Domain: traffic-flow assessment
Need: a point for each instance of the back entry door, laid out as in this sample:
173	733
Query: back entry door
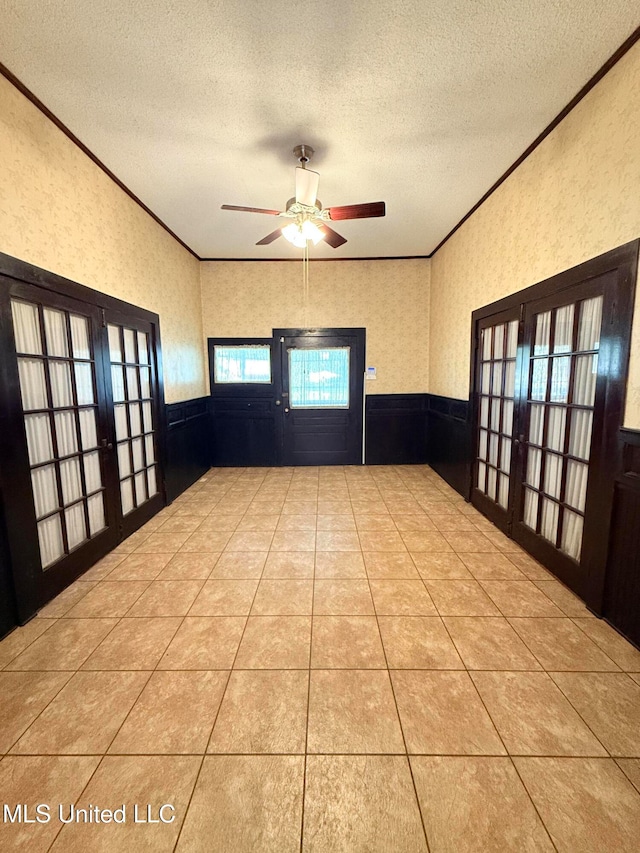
321	395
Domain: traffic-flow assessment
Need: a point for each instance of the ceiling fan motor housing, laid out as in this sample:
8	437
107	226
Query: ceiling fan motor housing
294	207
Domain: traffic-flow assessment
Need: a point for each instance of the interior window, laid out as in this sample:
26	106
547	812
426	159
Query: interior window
242	364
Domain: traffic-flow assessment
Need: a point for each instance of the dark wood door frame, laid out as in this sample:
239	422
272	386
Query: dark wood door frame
357	338
622	265
15	485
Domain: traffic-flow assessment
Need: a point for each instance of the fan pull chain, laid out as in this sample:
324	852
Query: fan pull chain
305	284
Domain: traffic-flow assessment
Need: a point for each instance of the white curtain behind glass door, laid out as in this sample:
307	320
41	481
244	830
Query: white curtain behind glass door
561	422
133	412
497	374
319	378
60	425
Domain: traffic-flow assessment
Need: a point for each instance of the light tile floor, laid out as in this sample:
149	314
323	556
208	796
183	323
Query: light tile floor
347	659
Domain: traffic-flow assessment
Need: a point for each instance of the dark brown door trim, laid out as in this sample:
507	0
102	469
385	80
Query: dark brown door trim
341	426
33	587
619	268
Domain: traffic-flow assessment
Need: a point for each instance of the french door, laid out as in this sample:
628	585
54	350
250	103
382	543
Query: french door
321	395
134	392
549	381
496	384
78	438
562	418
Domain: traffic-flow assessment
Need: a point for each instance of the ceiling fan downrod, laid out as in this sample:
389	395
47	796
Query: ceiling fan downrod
303	153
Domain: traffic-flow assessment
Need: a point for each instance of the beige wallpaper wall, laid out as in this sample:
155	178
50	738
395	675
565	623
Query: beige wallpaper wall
389	298
575	197
59	211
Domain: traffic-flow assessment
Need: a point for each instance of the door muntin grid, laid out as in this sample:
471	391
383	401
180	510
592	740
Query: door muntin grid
56	367
560	406
496	381
132	389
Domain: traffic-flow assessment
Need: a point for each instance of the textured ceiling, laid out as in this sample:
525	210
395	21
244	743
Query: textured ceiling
196	103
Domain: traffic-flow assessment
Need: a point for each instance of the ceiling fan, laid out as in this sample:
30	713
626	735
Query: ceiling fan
305	209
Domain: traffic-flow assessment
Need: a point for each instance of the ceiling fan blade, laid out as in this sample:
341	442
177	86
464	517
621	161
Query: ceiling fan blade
250	209
358	211
270	237
306	186
332	237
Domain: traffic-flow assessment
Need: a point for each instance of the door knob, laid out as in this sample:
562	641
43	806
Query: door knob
278	402
286	411
105	444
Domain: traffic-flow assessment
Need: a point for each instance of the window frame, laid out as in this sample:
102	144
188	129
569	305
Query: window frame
240	388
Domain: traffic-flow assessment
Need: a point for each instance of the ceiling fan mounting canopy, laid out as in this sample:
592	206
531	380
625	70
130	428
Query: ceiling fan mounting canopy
306	209
303	153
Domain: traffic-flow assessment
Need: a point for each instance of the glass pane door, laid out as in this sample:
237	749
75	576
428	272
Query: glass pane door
496	386
563	370
498	348
132	384
321	391
57	374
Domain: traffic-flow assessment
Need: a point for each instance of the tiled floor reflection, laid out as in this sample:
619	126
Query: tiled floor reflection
347	659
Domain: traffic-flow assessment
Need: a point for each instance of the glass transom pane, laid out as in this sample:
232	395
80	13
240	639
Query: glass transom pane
319	378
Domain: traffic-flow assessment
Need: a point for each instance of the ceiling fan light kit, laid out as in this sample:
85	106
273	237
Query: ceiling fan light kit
309	217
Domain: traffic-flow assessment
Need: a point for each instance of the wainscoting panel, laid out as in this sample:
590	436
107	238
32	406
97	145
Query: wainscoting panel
449	441
244	431
622	584
189	444
396	429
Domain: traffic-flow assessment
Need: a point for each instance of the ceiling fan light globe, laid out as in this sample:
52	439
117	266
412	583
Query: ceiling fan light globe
310	231
293	233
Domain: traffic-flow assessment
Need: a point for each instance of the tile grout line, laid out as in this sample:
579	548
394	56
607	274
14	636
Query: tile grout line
306	734
237	479
144	686
522	782
475	687
395	703
204	755
507	755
